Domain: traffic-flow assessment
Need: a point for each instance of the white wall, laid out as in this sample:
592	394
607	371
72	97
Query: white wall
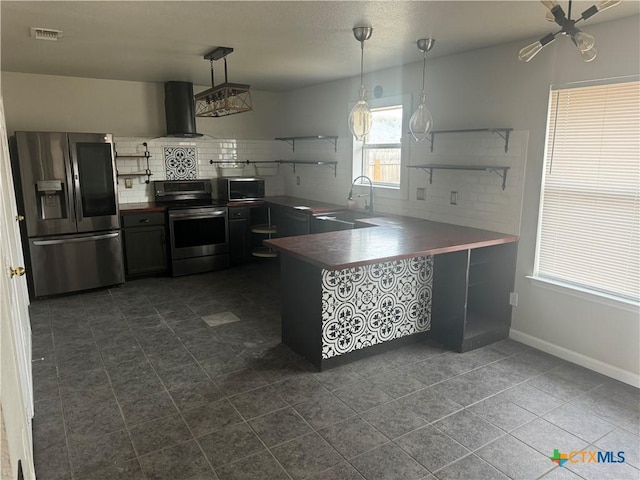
491	88
72	104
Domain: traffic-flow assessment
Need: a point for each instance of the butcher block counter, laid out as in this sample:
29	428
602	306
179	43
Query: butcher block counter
354	293
385	241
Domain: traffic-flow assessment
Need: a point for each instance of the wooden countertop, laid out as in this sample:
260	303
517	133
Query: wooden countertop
395	238
141	207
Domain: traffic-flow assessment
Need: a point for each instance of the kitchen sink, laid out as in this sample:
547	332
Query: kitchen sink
350	215
342	220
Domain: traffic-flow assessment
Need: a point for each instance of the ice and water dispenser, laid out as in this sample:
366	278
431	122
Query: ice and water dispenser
51	196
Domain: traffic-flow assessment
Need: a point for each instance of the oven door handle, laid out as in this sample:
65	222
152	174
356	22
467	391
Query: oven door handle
196	216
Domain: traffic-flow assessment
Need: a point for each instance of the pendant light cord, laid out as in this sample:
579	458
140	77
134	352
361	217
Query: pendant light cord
424	70
362	64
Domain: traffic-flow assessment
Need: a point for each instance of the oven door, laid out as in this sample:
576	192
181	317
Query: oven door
198	232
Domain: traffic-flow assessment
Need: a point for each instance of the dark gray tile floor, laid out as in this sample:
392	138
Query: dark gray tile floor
131	383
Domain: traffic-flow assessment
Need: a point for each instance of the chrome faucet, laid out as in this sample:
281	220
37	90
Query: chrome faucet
350	197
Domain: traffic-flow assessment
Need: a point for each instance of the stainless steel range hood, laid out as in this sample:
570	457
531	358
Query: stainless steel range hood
179	110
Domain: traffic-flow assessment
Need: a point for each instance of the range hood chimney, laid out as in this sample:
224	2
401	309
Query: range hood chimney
179	110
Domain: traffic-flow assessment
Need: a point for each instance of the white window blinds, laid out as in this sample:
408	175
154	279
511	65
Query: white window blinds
590	221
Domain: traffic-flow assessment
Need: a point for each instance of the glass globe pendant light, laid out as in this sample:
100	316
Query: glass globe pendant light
421	120
360	117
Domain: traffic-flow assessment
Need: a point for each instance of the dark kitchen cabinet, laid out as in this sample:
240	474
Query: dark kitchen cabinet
239	234
145	243
471	292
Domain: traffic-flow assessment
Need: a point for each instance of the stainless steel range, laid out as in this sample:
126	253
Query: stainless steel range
198	228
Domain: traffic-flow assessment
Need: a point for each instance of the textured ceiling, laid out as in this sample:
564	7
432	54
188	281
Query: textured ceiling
278	45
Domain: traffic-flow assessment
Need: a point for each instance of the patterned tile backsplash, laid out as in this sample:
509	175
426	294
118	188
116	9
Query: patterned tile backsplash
372	304
180	163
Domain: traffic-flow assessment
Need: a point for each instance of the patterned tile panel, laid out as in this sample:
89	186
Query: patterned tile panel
364	306
180	163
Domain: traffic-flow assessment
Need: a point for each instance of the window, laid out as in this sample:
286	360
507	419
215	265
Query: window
589	226
382	148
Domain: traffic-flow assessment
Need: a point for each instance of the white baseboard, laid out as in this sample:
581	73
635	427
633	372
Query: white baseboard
577	358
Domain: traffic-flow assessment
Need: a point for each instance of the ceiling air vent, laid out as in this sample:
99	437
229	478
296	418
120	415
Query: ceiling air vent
46	34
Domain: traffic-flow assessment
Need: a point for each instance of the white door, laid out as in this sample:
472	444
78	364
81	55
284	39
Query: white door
16	388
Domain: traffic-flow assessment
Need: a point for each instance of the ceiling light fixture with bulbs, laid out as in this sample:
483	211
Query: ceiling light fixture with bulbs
226	98
421	120
582	40
360	117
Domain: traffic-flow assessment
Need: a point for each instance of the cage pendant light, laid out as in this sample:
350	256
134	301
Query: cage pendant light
360	117
223	99
421	120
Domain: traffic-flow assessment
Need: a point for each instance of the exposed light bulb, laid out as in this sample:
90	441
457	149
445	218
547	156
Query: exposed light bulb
549	3
604	4
584	41
589	55
421	120
599	7
360	117
530	51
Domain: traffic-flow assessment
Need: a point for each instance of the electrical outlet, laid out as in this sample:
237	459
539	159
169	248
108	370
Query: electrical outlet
298	180
128	183
453	198
513	299
419	193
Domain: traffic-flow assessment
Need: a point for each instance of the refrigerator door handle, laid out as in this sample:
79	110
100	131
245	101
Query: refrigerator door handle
92	238
77	192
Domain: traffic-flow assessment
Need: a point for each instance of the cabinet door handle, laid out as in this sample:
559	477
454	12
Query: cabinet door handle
144	220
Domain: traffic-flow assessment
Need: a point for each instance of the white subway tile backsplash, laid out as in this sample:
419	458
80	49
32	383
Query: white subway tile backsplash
481	201
231	150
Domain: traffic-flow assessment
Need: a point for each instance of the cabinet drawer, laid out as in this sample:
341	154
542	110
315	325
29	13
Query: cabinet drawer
238	212
142	219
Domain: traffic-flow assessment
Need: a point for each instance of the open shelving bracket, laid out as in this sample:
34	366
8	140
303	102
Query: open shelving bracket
502	175
501	132
498	170
293	163
246	162
292	140
146	155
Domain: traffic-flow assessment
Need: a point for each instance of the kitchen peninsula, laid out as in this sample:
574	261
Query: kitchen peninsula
353	293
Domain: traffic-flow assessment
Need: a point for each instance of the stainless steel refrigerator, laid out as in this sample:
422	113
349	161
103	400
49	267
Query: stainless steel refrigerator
67	192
